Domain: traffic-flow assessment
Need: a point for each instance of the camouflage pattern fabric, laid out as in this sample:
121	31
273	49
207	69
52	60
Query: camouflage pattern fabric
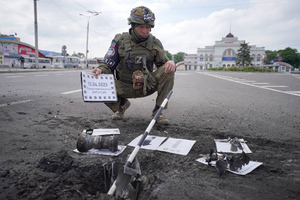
141	15
124	57
165	83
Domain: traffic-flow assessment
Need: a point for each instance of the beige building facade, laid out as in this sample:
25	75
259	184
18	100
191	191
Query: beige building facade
222	54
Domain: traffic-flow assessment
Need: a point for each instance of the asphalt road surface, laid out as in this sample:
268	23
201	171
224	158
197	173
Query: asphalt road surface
262	104
42	111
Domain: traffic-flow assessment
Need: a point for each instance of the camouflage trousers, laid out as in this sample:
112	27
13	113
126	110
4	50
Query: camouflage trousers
164	85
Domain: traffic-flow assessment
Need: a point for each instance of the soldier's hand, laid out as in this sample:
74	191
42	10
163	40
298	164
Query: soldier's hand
170	67
97	71
149	82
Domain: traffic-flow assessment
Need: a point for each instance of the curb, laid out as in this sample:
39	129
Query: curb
10	70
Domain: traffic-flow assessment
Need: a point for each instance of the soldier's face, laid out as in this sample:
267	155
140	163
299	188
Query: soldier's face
143	30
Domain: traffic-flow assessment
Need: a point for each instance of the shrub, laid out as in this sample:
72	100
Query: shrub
243	69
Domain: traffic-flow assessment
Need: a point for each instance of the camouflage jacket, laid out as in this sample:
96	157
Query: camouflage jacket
125	56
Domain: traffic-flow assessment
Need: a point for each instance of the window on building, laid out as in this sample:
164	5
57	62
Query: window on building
206	57
211	57
201	58
229	55
258	57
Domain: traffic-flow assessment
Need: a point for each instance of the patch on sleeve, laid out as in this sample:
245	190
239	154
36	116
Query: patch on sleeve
108	61
111	50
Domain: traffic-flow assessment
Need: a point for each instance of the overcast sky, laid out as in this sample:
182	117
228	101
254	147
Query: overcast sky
181	25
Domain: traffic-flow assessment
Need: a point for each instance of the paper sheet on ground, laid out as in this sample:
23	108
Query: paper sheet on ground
105	152
151	142
246	169
105	131
224	146
177	146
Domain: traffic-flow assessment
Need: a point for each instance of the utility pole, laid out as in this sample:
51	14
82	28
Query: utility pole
36	35
92	14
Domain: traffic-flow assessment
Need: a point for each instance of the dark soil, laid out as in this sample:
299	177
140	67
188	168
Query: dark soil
42	165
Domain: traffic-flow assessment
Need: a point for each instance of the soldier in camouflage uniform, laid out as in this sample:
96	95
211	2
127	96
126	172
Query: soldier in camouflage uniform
131	57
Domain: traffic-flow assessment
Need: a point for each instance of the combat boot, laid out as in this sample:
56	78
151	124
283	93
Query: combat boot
161	119
120	113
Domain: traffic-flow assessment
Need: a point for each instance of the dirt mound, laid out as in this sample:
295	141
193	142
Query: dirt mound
56	162
61	174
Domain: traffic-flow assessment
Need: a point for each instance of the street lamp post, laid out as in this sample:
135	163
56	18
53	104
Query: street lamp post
36	35
92	14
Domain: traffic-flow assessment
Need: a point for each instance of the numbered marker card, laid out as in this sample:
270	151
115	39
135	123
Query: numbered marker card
98	89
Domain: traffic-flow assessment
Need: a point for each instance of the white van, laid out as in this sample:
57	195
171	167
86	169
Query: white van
65	62
92	63
29	63
58	62
71	62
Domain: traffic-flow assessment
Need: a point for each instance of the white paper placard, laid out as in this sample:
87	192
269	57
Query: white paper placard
246	169
151	142
98	89
104	152
224	146
177	146
105	131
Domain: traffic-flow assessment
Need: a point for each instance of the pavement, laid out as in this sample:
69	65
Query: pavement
5	69
295	72
20	70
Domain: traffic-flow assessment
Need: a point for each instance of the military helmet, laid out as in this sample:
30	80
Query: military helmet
141	15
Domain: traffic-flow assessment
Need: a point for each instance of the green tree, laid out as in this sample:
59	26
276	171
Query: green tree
179	57
270	55
290	56
169	55
243	57
80	55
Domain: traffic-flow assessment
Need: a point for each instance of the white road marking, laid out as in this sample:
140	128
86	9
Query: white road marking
239	79
296	76
246	81
268	86
70	92
253	85
293	92
261	83
41	75
15	103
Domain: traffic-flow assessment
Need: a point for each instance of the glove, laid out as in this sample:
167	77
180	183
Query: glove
149	80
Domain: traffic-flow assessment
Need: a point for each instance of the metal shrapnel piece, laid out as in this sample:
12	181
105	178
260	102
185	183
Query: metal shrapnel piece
235	144
86	142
